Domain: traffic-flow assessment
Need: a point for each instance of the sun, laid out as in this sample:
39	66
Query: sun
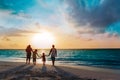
43	40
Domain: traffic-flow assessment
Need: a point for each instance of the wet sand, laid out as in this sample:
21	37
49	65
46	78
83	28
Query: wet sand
22	71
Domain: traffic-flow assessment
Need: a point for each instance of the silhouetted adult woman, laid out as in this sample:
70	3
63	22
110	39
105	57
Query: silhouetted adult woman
28	54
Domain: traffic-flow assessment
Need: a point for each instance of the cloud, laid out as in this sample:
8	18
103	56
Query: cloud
7	20
16	32
1	27
16	6
8	14
14	45
99	14
5	38
23	15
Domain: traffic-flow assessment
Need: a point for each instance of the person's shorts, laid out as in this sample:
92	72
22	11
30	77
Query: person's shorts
53	58
34	59
28	56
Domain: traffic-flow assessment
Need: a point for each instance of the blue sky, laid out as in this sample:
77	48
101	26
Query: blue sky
96	13
71	17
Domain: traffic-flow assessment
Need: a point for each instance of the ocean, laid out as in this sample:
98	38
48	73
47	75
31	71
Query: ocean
102	58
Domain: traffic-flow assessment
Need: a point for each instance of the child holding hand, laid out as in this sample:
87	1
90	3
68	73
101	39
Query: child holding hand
43	58
34	56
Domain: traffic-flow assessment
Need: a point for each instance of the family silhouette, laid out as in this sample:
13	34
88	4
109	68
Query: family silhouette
34	54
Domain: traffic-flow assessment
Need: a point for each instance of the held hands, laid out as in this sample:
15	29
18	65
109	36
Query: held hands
47	55
38	56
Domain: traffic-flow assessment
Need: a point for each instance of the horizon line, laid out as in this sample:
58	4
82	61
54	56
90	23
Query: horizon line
58	48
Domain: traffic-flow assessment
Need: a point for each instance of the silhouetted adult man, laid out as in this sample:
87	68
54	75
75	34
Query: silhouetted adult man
28	54
53	53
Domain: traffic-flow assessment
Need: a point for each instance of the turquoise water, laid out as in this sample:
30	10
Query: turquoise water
105	58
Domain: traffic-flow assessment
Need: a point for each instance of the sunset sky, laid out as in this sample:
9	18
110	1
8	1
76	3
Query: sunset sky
65	23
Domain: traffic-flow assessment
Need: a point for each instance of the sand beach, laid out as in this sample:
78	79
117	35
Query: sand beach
22	71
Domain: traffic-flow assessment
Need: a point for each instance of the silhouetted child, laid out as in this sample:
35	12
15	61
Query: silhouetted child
43	58
34	56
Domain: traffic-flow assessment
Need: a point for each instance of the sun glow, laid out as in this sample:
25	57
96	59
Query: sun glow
43	40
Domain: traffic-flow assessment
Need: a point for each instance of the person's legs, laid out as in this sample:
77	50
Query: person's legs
34	61
29	57
29	60
26	60
53	60
44	62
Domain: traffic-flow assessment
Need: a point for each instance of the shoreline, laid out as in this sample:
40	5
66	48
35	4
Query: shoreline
82	72
59	64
